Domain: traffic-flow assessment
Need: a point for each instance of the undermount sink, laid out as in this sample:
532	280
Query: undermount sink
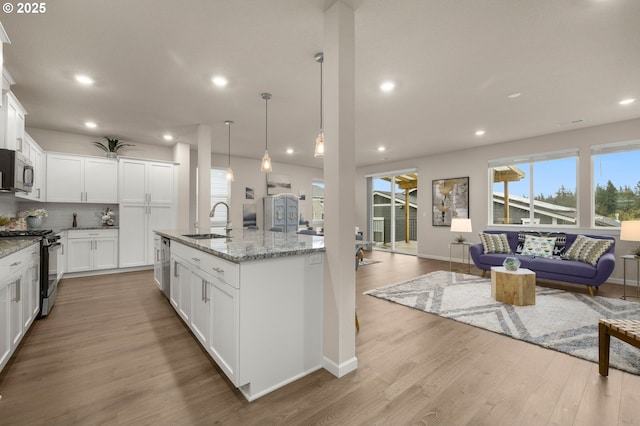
204	236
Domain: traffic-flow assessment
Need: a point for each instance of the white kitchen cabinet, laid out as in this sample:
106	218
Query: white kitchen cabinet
224	332
200	283
79	179
157	261
61	267
19	298
34	153
13	120
180	294
90	250
147	201
148	182
137	222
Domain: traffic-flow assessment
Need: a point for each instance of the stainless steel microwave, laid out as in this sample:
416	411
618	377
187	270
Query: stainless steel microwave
16	172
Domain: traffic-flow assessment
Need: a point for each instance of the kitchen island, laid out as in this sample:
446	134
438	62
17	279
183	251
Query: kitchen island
253	300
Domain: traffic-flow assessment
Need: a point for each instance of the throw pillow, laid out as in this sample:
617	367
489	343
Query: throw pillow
522	236
495	243
587	250
538	246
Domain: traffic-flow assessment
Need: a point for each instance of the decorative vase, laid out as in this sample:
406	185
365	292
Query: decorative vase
511	263
34	222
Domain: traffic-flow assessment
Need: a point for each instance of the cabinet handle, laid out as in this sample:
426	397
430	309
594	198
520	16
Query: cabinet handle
38	197
195	259
62	249
218	270
15	263
175	269
202	285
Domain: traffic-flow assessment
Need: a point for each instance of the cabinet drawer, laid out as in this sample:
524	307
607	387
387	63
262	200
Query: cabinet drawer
92	233
224	270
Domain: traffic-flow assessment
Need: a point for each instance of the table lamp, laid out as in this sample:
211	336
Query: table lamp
630	231
461	225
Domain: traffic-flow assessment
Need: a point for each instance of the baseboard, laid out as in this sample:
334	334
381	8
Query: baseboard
342	369
106	271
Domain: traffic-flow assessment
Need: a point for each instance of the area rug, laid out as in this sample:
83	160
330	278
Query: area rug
365	262
560	320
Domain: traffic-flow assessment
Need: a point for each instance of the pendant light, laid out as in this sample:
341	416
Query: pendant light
266	161
319	151
229	171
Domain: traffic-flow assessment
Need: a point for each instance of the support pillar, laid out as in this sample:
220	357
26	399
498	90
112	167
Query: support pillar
339	180
204	177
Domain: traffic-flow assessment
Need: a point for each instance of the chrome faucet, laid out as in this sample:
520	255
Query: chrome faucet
213	212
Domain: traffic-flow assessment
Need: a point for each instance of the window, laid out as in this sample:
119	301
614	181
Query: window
317	201
616	183
220	191
536	190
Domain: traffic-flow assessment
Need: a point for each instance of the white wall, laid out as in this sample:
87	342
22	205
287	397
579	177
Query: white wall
433	241
247	174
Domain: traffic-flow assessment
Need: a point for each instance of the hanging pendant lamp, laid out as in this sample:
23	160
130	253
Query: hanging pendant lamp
319	150
266	161
229	171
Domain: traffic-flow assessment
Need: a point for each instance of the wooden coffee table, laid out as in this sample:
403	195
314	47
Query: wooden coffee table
513	287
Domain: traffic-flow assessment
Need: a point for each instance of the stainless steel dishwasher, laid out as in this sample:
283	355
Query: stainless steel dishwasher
166	266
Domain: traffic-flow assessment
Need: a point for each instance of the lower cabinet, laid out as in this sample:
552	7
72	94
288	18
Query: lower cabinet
90	250
19	298
260	320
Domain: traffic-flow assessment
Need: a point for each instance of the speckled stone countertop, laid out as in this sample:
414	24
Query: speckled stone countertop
246	244
11	245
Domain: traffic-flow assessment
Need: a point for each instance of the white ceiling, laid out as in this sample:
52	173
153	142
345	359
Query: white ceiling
454	63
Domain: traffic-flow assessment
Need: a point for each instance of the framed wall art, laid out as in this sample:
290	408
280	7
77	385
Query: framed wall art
450	198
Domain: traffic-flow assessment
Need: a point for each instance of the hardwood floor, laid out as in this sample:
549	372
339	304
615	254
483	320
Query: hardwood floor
113	352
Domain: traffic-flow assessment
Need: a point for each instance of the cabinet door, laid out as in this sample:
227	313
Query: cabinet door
157	261
159	217
184	299
37	193
62	255
64	179
132	181
160	185
224	320
177	270
100	180
10	129
31	288
133	235
5	321
79	254
200	289
16	325
105	253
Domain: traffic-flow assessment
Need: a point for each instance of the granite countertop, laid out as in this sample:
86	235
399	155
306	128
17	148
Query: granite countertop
11	245
247	244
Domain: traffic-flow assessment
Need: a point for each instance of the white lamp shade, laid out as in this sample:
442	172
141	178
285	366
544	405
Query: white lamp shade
461	225
630	230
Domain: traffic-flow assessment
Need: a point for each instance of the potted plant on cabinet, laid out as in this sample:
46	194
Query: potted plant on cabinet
112	147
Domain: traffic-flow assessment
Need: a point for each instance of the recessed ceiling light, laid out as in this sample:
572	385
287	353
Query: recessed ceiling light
387	86
627	101
90	124
480	132
289	150
167	137
84	79
513	95
381	149
219	81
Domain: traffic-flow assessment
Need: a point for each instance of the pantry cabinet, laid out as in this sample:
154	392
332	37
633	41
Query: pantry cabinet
90	250
80	179
147	193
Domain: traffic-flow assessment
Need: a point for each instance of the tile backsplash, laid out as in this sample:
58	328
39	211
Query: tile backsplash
60	215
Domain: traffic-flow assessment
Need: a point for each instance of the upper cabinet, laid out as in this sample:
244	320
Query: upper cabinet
78	179
34	153
147	182
13	116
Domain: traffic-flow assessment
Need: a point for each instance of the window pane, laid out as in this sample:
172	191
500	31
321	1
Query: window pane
616	188
219	192
317	201
510	193
554	183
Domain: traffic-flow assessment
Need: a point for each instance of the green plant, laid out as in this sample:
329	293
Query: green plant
112	145
4	220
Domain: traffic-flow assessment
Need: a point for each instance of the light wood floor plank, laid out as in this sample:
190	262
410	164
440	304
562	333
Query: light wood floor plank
114	352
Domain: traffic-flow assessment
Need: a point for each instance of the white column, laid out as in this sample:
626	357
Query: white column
204	177
339	180
181	155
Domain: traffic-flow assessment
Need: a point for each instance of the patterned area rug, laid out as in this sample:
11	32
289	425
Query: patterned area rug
560	320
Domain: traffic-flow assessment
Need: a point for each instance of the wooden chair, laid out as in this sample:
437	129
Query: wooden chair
625	330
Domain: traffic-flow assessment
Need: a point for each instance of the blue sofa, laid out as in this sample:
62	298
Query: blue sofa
556	269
